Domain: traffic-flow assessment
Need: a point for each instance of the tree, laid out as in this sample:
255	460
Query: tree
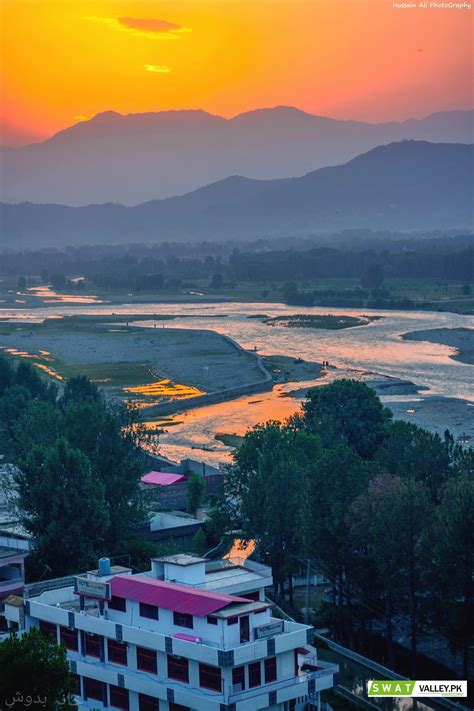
33	668
195	488
28	377
216	523
200	542
40	422
79	389
414	510
267	493
63	507
58	281
347	412
7	375
110	438
387	527
410	451
13	403
373	525
217	281
336	478
453	560
373	277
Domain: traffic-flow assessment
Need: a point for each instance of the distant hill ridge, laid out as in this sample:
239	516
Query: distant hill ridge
410	185
137	157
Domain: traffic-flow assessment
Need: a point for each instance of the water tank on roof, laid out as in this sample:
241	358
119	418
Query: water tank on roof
104	566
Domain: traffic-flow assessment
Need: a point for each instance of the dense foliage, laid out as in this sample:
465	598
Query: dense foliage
384	509
363	255
78	468
33	671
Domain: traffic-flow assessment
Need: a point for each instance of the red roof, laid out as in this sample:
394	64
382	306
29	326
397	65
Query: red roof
162	478
171	596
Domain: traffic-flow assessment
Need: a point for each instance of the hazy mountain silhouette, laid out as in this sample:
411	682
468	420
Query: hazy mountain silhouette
401	187
138	157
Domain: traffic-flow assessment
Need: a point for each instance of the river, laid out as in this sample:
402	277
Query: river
377	347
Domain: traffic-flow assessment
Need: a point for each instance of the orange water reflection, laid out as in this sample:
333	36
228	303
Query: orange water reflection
53	297
197	428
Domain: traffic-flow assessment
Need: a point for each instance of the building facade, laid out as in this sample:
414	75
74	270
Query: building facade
187	635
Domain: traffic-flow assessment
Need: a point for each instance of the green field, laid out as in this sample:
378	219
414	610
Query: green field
438	294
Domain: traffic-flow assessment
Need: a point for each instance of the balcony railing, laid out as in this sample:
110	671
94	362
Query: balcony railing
283	684
142	682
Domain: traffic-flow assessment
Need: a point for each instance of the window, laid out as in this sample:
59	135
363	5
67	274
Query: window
149	611
270	665
69	638
238	677
178	668
146	660
182	619
92	644
212	620
117	603
148	703
117	652
93	689
255	675
49	630
178	707
232	621
210	677
119	698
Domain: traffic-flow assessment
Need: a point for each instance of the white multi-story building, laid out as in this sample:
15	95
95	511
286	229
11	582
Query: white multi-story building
187	635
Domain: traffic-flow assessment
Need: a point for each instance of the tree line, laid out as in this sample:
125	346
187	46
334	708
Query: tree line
323	262
78	465
382	507
144	267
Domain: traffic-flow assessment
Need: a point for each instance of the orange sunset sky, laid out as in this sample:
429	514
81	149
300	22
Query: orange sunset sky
66	60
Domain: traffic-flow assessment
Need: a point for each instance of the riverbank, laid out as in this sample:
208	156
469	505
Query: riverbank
462	339
411	403
145	366
331	293
363	352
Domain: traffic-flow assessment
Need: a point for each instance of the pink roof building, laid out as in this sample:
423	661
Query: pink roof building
162	478
171	596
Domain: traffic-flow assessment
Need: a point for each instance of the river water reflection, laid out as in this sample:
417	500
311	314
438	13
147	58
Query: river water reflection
377	347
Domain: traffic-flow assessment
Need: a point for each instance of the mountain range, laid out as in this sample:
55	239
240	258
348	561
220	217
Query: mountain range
139	157
410	185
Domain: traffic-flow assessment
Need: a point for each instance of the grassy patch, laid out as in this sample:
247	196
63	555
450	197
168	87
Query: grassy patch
110	374
230	440
287	369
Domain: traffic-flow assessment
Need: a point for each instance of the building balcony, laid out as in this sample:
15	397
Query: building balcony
305	684
64	603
